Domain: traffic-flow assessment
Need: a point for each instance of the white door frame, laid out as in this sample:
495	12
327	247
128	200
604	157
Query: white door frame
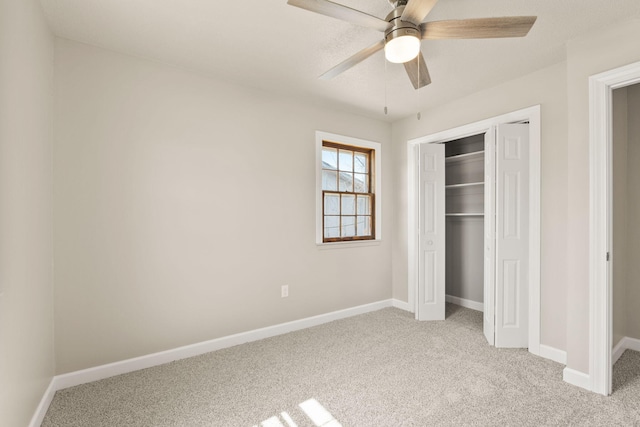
601	88
530	114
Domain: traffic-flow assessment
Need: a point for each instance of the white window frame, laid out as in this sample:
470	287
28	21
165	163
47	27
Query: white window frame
377	187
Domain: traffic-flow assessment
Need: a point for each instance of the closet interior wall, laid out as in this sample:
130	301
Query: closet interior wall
464	185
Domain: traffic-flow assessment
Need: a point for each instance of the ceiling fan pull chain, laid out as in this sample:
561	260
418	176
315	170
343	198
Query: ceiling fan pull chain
418	90
385	83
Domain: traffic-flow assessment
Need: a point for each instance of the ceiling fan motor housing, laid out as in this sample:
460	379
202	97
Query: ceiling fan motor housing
399	28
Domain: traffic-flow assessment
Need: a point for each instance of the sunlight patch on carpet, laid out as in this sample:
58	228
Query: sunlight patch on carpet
318	414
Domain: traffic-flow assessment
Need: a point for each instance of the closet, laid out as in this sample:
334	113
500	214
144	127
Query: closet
473	230
464	213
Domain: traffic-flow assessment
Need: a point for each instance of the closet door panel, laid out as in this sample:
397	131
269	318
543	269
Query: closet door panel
489	236
431	288
512	195
512	224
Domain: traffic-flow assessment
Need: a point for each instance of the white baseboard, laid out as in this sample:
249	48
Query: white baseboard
618	350
473	305
582	380
160	358
552	353
625	343
577	378
633	344
84	376
42	408
401	305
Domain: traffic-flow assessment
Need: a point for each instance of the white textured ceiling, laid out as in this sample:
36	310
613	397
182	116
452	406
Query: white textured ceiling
270	45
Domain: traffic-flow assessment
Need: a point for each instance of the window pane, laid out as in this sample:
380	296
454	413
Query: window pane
332	204
346	161
331	226
360	163
347	198
329	158
348	226
348	204
346	181
360	184
329	180
364	226
364	205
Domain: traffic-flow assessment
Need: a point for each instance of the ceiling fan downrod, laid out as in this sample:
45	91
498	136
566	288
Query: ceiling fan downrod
398	3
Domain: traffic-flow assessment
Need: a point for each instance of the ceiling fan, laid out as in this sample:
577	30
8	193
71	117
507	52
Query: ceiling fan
404	30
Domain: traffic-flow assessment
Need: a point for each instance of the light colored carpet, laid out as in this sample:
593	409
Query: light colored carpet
378	369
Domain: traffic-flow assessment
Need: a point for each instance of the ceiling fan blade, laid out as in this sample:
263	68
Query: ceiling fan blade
482	28
416	10
335	10
355	59
418	72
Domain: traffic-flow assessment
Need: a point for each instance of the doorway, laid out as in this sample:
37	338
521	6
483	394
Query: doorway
601	224
530	115
625	205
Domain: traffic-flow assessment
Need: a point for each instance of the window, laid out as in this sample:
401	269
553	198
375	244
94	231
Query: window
348	180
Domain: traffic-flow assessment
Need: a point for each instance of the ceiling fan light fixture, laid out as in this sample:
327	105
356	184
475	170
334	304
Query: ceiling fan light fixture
402	49
401	40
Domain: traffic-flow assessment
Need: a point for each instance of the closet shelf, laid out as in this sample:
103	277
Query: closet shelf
464	185
465	214
476	155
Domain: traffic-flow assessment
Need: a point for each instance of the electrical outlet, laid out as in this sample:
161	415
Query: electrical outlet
284	291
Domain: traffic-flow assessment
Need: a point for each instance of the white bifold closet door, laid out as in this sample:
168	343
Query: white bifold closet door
506	241
432	243
512	236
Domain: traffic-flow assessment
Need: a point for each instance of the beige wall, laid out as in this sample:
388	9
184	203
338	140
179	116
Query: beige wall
183	203
620	251
546	87
26	282
633	213
600	51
